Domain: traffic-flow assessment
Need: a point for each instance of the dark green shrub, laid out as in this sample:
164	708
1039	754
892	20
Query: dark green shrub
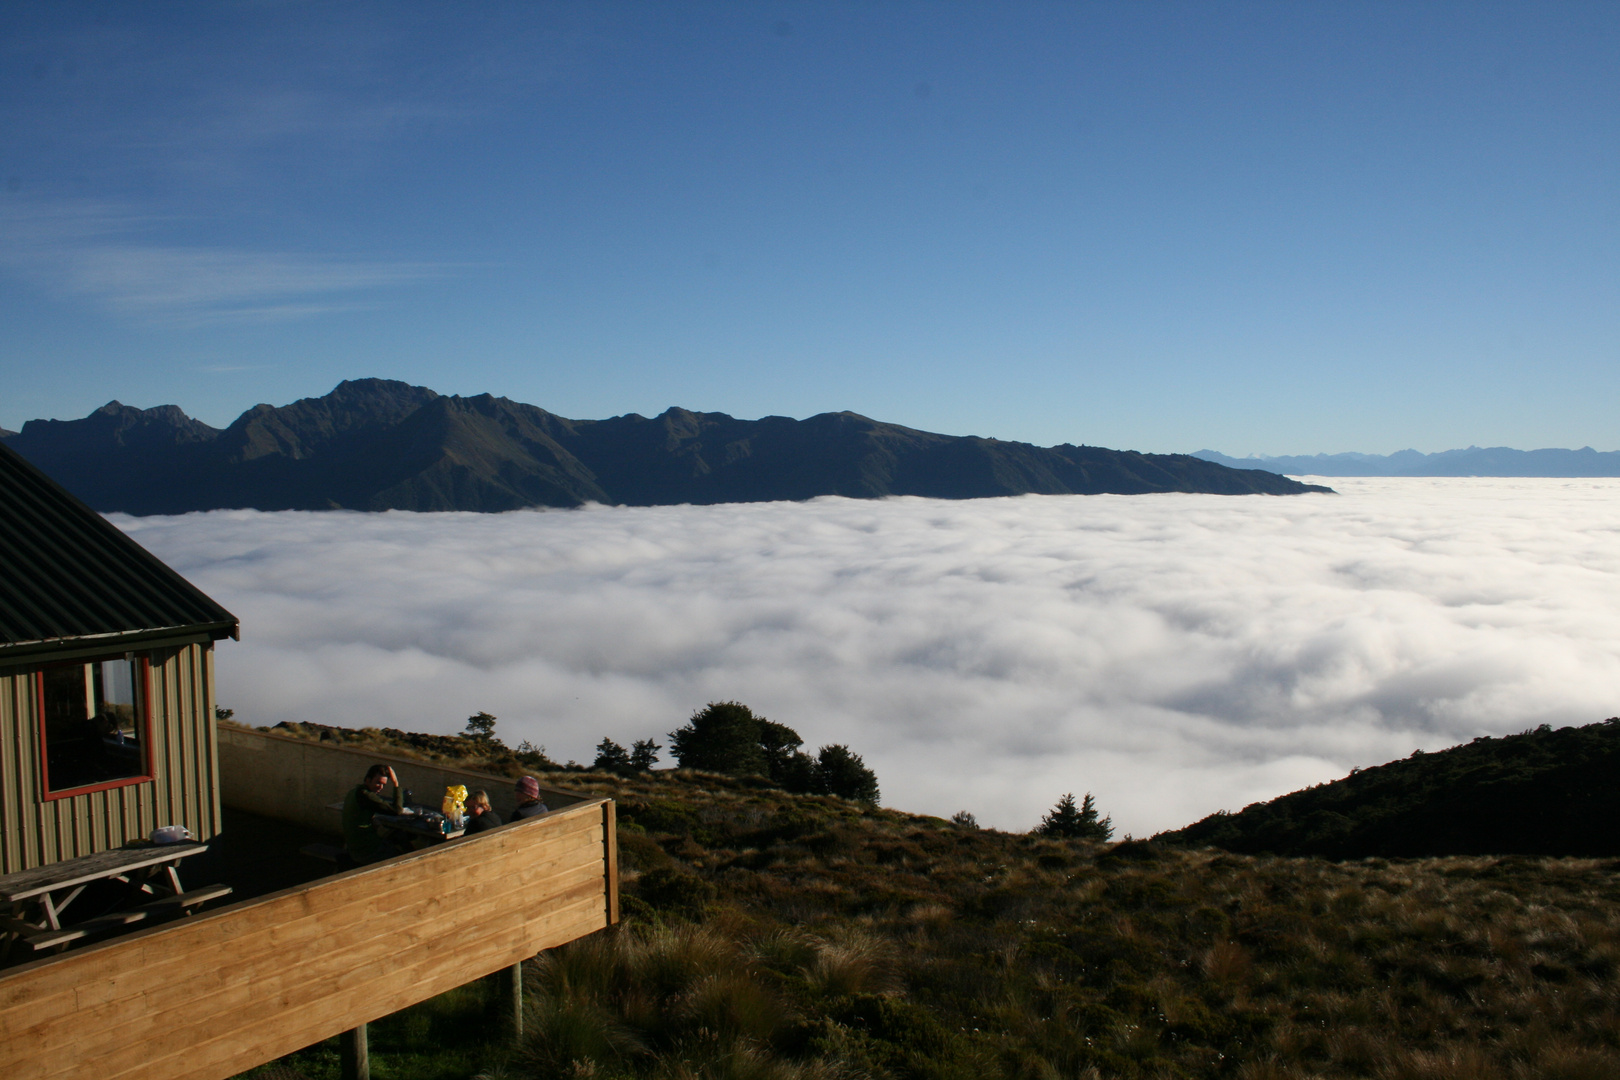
839	771
723	737
797	774
780	744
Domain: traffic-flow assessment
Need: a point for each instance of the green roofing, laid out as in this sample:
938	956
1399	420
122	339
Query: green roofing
69	577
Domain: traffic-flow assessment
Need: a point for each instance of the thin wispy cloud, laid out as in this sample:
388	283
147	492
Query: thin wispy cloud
139	88
1173	654
104	252
228	369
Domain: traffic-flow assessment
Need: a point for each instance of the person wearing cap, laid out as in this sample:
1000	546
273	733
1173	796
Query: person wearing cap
362	802
481	817
529	803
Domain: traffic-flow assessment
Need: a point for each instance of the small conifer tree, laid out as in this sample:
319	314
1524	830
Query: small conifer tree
611	757
644	754
481	727
1066	821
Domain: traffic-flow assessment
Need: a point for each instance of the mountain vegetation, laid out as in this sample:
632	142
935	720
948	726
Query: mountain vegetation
376	444
726	737
782	936
1541	792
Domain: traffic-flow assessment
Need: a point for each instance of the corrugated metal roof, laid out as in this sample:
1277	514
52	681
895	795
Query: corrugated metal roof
67	574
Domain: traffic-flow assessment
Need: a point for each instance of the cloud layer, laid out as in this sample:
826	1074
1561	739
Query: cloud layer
1173	654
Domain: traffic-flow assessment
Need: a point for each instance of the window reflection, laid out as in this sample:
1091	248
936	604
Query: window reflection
93	723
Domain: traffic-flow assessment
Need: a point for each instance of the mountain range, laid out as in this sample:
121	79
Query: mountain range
1474	461
378	444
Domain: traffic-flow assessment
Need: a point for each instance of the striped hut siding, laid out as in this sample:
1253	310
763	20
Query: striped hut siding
18	830
184	759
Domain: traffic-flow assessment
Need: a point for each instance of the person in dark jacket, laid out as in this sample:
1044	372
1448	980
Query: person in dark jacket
362	802
481	817
529	803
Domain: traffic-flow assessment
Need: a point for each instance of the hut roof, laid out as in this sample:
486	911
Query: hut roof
68	577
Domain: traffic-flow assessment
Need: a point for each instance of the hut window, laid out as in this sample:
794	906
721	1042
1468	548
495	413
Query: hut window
93	724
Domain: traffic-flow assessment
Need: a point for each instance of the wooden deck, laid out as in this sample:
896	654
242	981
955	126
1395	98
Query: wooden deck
212	995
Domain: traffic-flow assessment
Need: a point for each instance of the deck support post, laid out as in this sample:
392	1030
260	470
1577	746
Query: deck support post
511	983
355	1053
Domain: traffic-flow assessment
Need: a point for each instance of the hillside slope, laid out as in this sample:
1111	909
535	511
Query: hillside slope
1543	792
375	444
770	935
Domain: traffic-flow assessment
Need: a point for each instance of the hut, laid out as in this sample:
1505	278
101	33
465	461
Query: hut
107	727
107	731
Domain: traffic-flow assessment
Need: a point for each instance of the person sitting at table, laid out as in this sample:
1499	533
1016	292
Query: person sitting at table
360	836
481	817
529	803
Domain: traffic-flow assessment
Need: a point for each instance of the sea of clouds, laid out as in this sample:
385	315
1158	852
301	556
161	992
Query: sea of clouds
1173	654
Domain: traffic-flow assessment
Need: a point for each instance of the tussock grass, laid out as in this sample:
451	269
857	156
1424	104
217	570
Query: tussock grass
912	947
777	936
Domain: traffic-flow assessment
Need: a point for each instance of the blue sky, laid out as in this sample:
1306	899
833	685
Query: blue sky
1274	228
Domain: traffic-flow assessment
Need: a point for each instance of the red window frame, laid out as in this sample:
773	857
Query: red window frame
143	717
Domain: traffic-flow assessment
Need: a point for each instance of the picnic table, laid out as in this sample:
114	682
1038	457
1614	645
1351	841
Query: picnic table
417	827
32	901
420	825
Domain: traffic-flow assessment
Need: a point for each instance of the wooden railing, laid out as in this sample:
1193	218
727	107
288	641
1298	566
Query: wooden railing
210	996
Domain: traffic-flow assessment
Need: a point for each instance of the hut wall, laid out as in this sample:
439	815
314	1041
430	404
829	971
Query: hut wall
184	789
280	776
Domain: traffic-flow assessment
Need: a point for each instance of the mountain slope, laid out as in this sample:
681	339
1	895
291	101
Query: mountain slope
375	444
1542	792
113	454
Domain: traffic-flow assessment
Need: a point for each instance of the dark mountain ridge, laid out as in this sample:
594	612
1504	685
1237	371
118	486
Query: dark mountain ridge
1541	792
377	444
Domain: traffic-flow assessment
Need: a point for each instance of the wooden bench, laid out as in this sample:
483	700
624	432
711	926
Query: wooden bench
332	853
183	902
47	890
